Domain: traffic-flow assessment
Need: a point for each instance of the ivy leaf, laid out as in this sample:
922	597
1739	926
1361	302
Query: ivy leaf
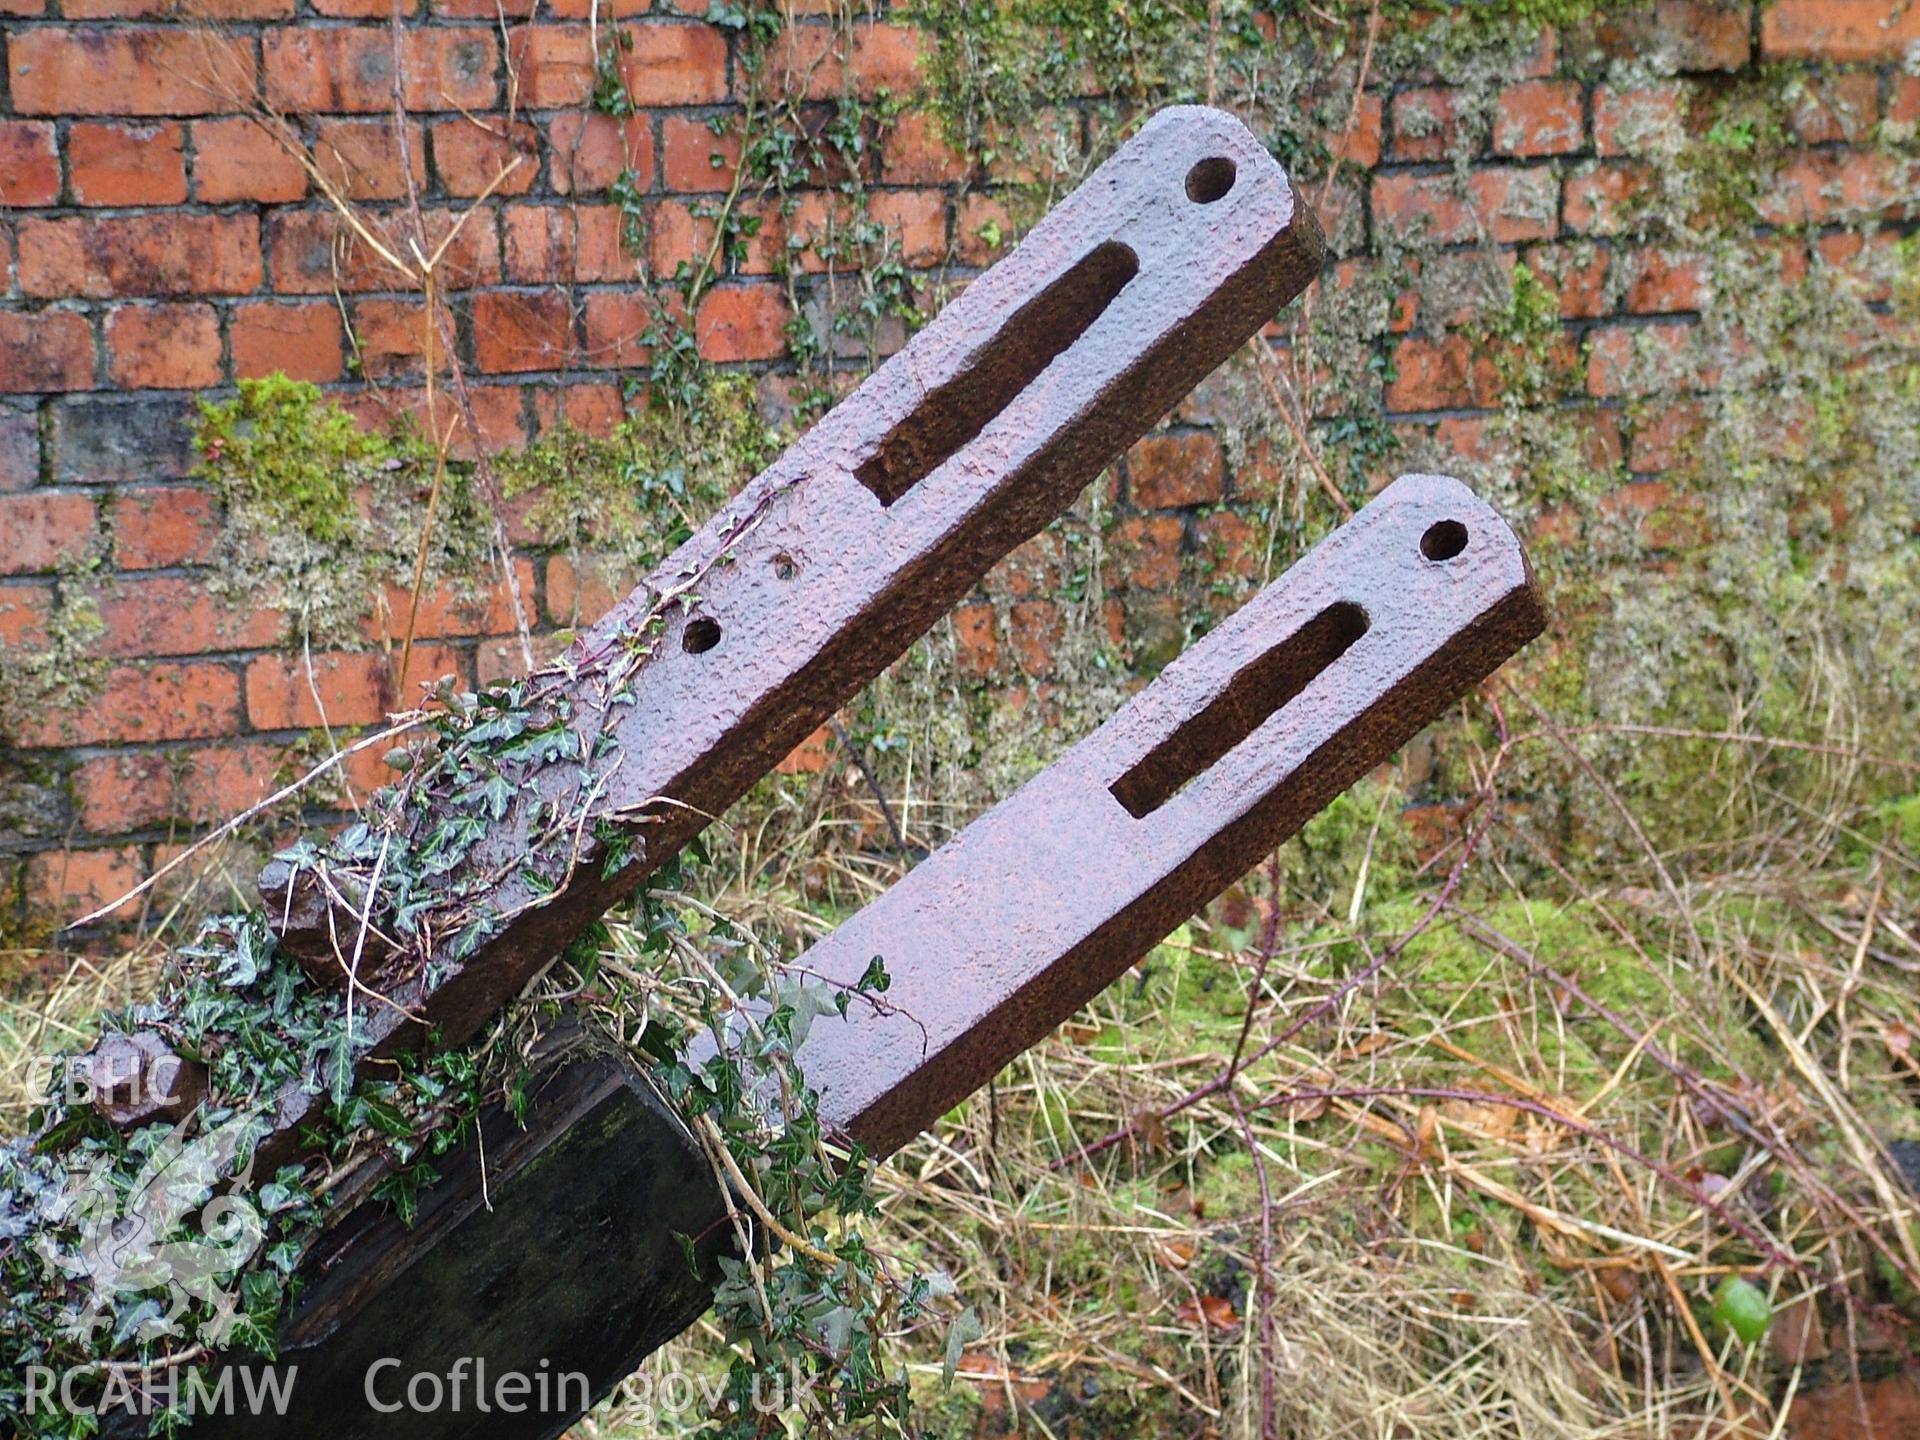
963	1333
1742	1307
874	979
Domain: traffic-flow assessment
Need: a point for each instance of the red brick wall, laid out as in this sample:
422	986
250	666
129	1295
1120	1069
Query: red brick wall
156	243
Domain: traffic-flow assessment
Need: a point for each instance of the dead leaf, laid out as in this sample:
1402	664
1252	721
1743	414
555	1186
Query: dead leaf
1208	1312
1177	1253
1151	1127
1620	1283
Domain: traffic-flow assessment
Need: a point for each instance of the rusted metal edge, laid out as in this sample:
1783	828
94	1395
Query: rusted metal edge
994	940
830	563
1049	897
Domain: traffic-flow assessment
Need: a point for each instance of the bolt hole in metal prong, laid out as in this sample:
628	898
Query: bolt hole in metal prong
1210	180
700	636
1444	540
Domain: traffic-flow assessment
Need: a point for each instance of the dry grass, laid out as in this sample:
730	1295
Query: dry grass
1389	1143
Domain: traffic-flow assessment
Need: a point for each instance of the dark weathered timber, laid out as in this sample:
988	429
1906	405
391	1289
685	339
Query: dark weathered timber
560	1260
1045	900
990	943
829	564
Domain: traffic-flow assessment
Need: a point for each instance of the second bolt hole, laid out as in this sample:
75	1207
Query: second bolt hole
1444	540
1210	180
701	635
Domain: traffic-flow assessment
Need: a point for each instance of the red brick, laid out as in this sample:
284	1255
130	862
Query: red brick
741	322
158	254
121	164
1143	551
61	70
167	615
389	337
354	687
608	9
615	322
1233	545
238	160
1597	202
163	347
918	221
301	340
23	9
915	152
1838	29
1539	117
202	786
579	596
1361	134
976	640
810	756
25	611
67	884
473	157
1035	628
362	158
593	408
499	410
675	236
882	56
163	701
515	331
1165	471
572	242
1837	107
694	159
1445	374
450	610
590	152
19	448
317	71
672	62
1427	126
1816	186
1679	34
1664	282
364	9
1662	519
983	231
157	526
41	527
47	350
1464	440
491	10
1507	205
1903	100
1662	438
29	164
1640	360
1636	120
1577	274
314	253
554	64
196	11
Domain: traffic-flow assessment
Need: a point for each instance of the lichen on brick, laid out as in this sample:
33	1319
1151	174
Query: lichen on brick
320	511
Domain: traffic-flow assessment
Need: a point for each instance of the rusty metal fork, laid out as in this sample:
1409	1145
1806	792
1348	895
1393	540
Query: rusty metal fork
1044	901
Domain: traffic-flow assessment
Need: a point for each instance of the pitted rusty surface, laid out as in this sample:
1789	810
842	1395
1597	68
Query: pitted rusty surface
993	941
134	1080
832	562
1037	906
